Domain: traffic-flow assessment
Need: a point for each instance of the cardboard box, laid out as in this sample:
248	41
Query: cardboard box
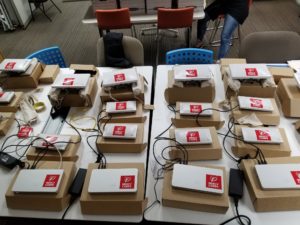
6	122
289	97
133	117
23	81
182	121
114	145
123	94
73	98
13	106
70	154
114	204
297	125
281	72
49	74
188	93
1	57
193	200
269	150
83	68
270	200
226	61
267	118
43	201
198	152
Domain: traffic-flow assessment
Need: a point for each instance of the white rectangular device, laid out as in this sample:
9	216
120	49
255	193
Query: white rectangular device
113	181
59	141
193	136
253	103
196	178
120	131
249	71
278	176
195	108
297	78
192	72
71	81
125	76
15	65
38	181
6	97
121	107
262	135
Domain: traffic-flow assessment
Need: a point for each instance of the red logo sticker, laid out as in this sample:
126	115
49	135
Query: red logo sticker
296	176
119	77
214	181
10	65
1	94
127	182
69	81
121	105
119	130
256	103
49	139
262	135
251	72
193	136
195	108
24	131
191	73
51	180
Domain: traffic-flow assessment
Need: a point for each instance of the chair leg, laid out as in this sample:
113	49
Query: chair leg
157	47
216	27
100	32
133	31
31	11
44	11
56	6
189	31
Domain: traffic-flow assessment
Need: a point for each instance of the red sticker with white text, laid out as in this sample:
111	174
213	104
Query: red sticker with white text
24	131
262	135
251	72
119	130
191	73
49	140
69	81
127	182
214	181
193	136
195	108
296	176
256	103
51	180
10	65
119	77
1	94
121	105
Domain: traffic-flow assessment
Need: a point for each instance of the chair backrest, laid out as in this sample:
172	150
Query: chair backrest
189	56
113	18
270	47
174	18
133	50
49	56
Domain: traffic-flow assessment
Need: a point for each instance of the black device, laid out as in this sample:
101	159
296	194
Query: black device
236	178
9	161
77	184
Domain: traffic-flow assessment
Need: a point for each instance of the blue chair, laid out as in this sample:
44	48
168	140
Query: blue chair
49	56
189	56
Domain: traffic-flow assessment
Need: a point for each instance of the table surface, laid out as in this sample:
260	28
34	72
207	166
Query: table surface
161	120
86	155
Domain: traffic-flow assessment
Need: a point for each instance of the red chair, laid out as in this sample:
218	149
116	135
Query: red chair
114	19
173	19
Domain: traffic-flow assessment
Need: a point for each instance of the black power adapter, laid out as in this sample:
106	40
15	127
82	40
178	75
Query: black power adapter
77	184
236	178
9	161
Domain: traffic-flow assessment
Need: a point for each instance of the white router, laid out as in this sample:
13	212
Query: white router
121	107
15	65
195	108
71	81
114	78
59	141
249	71
120	131
253	103
6	97
193	136
192	72
266	135
113	181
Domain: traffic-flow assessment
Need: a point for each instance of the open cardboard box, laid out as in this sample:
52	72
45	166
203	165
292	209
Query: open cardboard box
198	152
6	122
49	74
85	68
132	117
23	81
114	203
115	145
13	106
267	118
43	201
281	72
193	200
226	61
269	150
289	97
123	94
188	93
182	121
270	200
69	154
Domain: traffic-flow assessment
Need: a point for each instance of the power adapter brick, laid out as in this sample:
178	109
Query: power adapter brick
77	184
236	178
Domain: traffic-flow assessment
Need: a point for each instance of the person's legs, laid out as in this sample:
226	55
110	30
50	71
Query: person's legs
201	29
230	24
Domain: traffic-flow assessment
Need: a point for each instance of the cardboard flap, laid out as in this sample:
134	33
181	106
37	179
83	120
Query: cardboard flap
297	125
166	93
49	74
149	107
81	68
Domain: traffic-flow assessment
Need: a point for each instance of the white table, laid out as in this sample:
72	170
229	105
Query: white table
161	120
86	156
